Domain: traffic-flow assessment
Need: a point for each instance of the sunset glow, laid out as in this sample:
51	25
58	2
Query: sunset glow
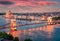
29	20
20	6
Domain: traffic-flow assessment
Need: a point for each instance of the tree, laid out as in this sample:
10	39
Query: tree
28	39
6	36
56	18
10	37
2	34
16	39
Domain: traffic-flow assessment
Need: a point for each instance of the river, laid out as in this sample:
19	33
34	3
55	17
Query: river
36	32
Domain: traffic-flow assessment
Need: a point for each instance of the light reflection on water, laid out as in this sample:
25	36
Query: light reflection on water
36	34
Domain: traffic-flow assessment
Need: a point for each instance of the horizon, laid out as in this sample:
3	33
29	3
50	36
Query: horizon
32	12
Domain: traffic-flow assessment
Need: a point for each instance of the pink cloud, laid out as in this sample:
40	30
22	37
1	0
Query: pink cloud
46	3
33	2
22	3
41	3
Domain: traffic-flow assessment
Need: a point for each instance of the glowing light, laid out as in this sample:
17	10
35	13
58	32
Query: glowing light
9	14
49	20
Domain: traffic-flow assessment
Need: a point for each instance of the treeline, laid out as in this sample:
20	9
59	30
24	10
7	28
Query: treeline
2	13
8	37
56	18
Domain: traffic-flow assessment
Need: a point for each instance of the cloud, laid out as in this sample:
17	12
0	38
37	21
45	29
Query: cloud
6	2
28	2
24	0
28	5
23	4
25	7
39	3
47	3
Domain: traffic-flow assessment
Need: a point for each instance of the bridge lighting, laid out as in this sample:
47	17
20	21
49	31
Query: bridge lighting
49	20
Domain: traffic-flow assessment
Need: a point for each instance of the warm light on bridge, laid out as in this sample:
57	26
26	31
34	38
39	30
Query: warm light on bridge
49	20
9	15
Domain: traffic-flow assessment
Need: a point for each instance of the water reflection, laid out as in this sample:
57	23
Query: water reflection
45	33
36	34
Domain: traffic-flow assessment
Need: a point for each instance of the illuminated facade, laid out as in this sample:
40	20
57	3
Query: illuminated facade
12	25
12	20
49	20
44	17
9	15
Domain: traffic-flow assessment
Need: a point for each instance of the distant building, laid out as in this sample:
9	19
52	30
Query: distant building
44	17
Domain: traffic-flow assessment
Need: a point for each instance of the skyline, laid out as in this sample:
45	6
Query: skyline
19	6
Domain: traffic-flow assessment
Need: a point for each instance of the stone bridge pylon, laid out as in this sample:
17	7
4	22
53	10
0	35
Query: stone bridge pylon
12	19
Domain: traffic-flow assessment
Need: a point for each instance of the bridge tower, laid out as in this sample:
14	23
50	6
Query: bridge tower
13	25
9	15
12	20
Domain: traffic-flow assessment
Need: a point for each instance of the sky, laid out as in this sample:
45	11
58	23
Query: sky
30	6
